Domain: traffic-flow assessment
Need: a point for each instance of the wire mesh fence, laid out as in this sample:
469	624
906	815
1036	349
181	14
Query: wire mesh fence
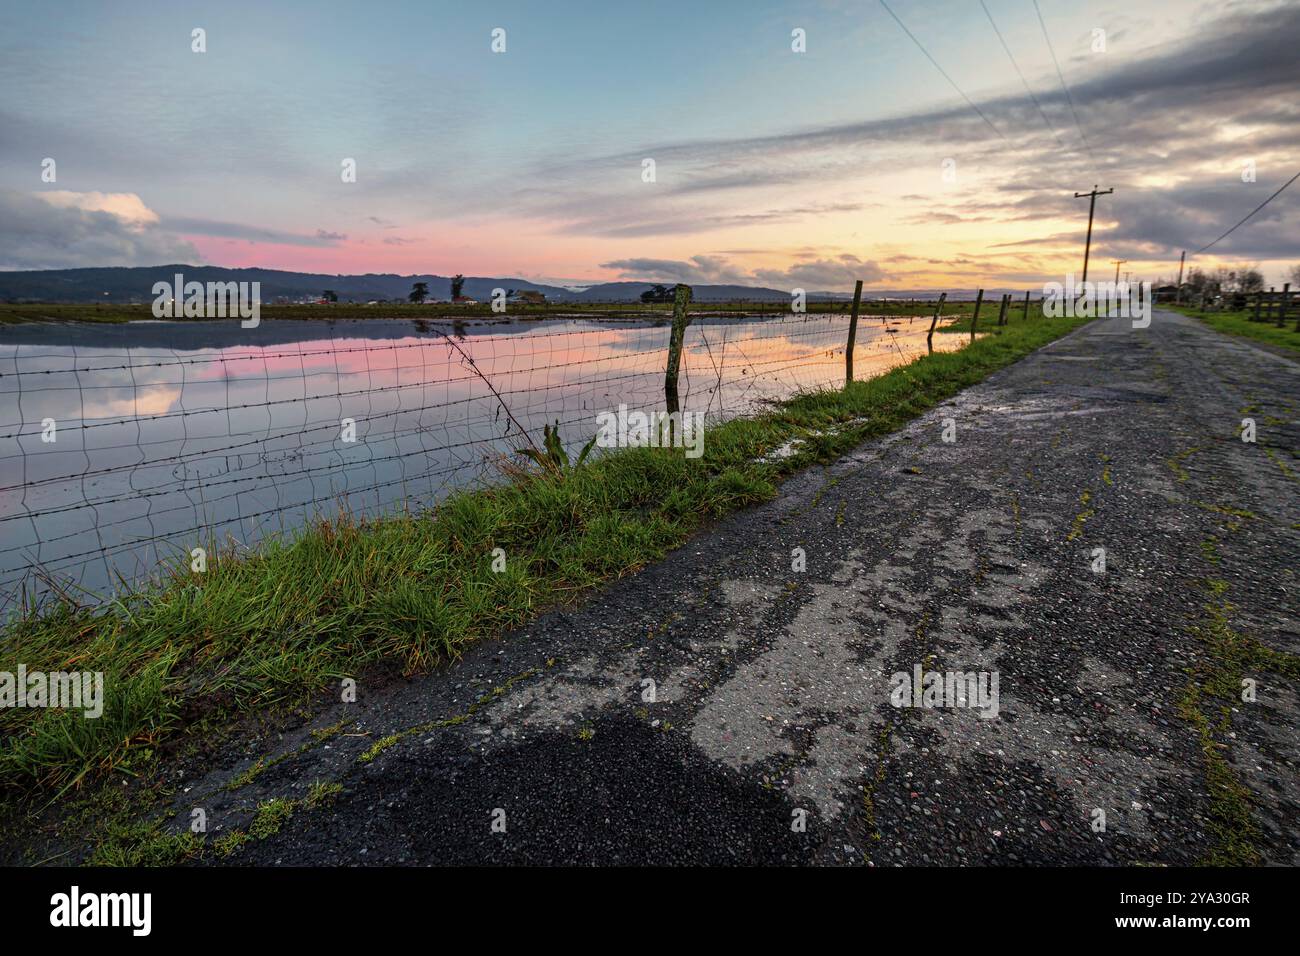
134	444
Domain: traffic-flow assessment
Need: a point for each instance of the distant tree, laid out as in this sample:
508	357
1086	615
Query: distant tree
457	284
1250	279
659	293
419	292
330	295
1295	275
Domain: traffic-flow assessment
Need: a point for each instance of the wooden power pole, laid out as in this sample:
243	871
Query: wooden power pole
1092	208
1118	263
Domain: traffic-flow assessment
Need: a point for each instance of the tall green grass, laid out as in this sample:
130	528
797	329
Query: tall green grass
1240	324
198	650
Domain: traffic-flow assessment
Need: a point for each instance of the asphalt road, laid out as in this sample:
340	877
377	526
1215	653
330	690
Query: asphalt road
772	686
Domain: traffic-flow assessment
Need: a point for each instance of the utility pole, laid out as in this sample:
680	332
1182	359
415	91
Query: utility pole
1118	263
1092	207
1178	296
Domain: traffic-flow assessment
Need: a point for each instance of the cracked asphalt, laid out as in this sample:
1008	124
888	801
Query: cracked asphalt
768	735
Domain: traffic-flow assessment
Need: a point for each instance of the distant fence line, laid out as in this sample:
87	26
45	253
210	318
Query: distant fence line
1274	307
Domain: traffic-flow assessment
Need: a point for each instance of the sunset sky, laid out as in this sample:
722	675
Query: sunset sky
772	167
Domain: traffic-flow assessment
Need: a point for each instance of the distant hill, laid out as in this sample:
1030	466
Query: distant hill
121	285
136	284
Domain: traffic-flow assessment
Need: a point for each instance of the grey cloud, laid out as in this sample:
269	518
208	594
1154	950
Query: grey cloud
699	269
236	230
37	235
817	275
1162	112
624	220
824	274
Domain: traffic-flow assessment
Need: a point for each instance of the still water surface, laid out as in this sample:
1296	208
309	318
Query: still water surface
166	435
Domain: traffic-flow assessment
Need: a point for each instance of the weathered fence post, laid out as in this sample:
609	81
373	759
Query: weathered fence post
1002	313
929	339
1281	305
1259	300
979	297
853	335
1026	305
680	321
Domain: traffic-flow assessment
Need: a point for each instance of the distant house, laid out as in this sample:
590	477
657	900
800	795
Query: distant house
464	300
527	297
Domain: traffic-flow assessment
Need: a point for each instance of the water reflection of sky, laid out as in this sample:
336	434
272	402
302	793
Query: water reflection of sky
173	434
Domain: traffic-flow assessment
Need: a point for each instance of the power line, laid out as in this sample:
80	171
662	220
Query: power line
951	81
1061	76
1248	215
1095	192
1069	99
1039	106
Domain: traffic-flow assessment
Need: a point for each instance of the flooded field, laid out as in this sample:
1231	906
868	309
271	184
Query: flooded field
125	445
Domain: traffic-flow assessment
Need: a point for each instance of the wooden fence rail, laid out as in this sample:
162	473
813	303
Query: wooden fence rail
1274	306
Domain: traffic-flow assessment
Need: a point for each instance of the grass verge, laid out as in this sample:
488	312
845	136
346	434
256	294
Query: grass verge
988	317
274	626
1240	324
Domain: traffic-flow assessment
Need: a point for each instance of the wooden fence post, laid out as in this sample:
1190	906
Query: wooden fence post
1002	313
680	321
929	339
1281	306
979	297
1259	300
853	334
1026	305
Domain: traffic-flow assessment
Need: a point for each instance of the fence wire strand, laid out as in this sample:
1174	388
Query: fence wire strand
116	459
